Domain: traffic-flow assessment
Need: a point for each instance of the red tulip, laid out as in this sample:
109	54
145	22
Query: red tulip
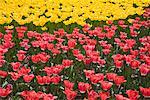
40	80
92	95
24	71
49	97
80	57
97	78
75	52
145	92
134	64
5	91
21	29
89	73
43	45
60	32
106	51
117	57
147	60
35	58
46	80
8	37
119	80
121	97
110	34
101	62
142	57
123	35
146	13
83	87
8	44
2	62
20	35
143	49
44	57
55	51
15	65
129	58
87	61
132	94
71	44
89	47
85	28
55	79
121	22
70	94
110	22
1	35
24	44
28	78
14	76
67	63
144	70
65	48
81	42
21	55
101	35
2	51
50	46
106	85
104	95
3	74
30	95
130	43
118	63
111	76
53	70
30	34
134	52
68	84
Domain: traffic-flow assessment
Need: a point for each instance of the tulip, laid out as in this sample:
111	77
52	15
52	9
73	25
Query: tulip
3	74
28	78
68	84
145	92
83	87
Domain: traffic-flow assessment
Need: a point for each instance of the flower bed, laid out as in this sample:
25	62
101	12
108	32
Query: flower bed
109	61
71	11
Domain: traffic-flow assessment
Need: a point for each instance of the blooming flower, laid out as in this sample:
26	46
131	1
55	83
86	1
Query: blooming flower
68	84
28	78
106	85
132	94
70	94
5	91
104	95
83	87
119	80
145	92
3	74
92	95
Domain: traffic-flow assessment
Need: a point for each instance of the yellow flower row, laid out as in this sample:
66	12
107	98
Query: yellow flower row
69	11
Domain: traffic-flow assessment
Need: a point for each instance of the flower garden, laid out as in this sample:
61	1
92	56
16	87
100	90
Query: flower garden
75	50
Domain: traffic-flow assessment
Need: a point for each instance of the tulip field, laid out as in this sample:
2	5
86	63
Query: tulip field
75	50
